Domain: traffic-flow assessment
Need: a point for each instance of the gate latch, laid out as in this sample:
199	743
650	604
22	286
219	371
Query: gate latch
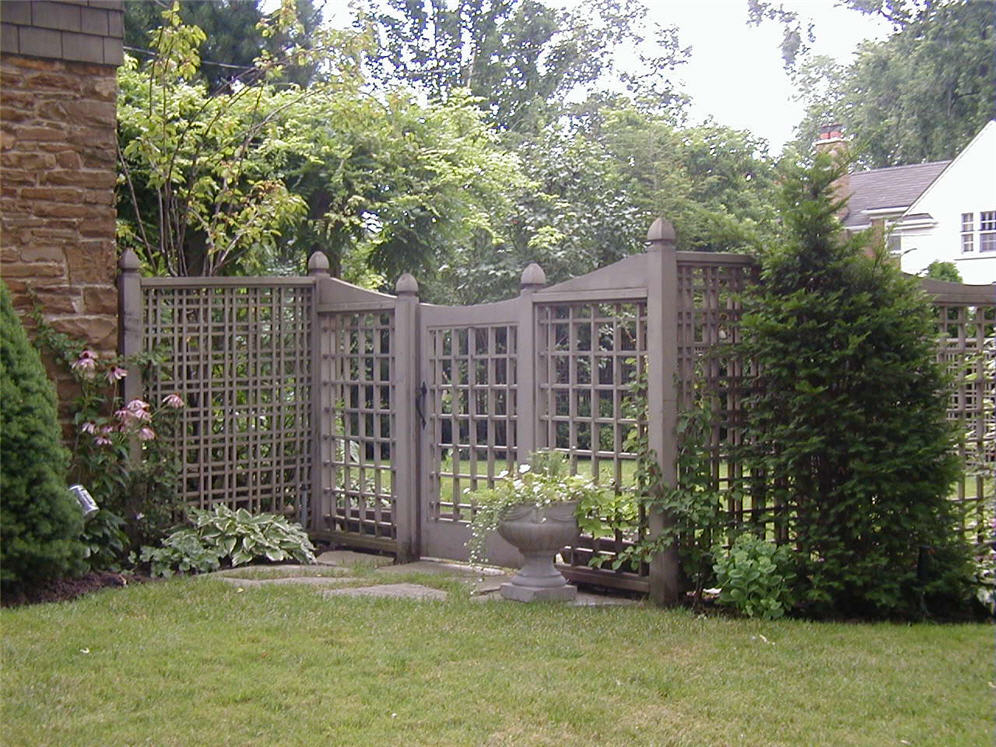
420	403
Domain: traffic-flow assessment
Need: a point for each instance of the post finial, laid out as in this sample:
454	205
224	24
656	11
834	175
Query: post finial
532	278
407	285
129	261
661	233
318	264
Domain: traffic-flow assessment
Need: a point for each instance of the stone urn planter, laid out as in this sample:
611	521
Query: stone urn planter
535	510
539	533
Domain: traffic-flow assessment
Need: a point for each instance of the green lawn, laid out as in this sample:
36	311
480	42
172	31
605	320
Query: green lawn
195	661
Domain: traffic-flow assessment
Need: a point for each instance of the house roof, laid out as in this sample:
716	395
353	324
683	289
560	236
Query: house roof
895	187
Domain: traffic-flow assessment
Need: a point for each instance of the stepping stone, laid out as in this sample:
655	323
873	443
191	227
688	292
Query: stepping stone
249	583
442	568
267	572
350	559
393	591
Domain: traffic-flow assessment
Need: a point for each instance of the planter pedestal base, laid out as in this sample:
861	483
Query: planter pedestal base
515	592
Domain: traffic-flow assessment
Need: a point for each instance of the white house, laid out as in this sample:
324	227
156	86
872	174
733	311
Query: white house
954	219
941	211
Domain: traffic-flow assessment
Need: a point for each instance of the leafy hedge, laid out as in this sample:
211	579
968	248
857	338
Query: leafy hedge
40	520
848	423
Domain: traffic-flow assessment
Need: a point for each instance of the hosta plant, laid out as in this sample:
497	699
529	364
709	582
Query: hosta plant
755	577
223	537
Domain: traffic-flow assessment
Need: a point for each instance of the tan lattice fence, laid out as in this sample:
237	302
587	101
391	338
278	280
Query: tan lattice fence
239	354
369	416
966	347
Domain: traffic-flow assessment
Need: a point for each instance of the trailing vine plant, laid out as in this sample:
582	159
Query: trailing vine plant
693	503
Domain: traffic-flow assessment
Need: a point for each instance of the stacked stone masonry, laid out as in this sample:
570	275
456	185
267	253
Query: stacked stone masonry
57	163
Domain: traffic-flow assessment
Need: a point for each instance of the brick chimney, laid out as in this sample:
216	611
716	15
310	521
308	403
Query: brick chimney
831	140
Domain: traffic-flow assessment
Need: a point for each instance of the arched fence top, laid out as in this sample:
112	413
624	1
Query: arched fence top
945	292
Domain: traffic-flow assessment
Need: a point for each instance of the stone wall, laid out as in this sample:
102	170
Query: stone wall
58	87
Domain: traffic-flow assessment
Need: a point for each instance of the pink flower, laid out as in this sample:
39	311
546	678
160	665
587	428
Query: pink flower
116	373
102	441
173	400
89	427
124	415
146	434
139	409
85	365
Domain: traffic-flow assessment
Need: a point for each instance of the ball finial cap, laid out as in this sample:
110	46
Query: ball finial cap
318	264
661	232
533	276
407	285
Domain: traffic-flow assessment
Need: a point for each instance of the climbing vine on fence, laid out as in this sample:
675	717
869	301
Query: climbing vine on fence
691	505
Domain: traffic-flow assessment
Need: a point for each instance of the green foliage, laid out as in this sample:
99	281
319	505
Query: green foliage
105	543
519	58
755	577
255	178
545	480
595	186
197	181
39	519
234	36
946	271
919	95
224	536
848	420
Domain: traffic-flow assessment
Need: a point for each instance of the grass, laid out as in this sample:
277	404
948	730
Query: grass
195	661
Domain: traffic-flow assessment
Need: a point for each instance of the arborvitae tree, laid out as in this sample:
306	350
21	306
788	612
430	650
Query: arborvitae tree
40	521
848	422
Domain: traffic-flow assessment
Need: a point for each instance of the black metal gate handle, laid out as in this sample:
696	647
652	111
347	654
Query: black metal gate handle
420	402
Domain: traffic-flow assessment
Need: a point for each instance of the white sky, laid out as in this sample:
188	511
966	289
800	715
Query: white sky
735	73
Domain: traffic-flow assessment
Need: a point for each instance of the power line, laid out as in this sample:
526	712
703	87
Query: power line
152	53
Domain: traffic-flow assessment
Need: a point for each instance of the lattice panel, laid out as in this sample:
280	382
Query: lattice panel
708	317
240	357
966	348
358	397
472	412
589	356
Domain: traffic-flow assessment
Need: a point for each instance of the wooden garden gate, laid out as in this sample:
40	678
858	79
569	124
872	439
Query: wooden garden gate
419	403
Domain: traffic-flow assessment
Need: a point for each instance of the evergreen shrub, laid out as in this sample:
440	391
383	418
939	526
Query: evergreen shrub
40	520
847	424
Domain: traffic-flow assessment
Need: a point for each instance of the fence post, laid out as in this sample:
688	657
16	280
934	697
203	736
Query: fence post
130	320
662	400
406	435
533	278
318	269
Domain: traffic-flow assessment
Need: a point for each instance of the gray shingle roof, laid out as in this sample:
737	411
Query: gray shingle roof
893	187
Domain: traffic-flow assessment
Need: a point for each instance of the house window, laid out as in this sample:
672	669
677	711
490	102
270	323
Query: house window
967	232
987	231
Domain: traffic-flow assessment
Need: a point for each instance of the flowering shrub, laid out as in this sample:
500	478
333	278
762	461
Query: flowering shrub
119	449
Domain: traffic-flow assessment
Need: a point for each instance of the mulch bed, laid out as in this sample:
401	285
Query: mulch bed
65	589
